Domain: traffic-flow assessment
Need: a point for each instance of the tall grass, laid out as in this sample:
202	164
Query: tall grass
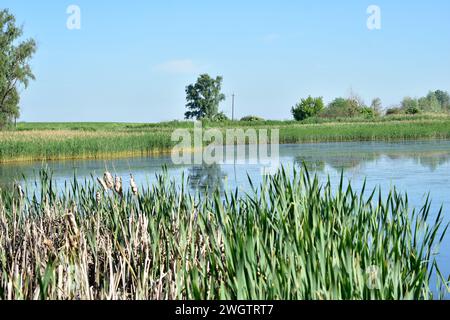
291	238
89	140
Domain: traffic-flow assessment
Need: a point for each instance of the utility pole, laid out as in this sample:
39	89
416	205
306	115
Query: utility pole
232	117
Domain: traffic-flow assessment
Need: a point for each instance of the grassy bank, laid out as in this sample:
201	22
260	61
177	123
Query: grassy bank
291	239
52	141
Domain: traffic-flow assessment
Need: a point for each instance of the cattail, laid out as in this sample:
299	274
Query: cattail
133	185
102	183
49	244
20	191
108	178
72	223
98	197
118	186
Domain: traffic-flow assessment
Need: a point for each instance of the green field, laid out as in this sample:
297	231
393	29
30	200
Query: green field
52	141
288	239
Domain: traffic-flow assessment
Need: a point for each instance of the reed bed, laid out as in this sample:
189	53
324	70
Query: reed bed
41	142
65	144
291	238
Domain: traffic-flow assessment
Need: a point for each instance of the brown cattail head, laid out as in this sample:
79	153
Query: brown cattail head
72	223
118	186
108	178
98	197
133	185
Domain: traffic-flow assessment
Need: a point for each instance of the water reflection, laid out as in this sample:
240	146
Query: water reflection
353	158
207	178
416	168
349	159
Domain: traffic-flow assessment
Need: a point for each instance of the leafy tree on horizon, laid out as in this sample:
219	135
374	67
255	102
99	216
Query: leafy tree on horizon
339	107
203	98
444	99
307	108
376	106
15	70
410	105
430	103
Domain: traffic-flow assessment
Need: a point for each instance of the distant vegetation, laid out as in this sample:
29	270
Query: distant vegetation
290	238
52	141
437	102
252	119
203	99
308	108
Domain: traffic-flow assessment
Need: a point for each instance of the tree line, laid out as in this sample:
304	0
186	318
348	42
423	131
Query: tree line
434	102
203	97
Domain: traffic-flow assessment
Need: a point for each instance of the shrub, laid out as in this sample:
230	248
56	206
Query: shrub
368	112
344	108
220	117
307	108
252	119
412	110
394	111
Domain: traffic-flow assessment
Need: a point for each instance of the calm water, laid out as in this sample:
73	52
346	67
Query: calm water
417	168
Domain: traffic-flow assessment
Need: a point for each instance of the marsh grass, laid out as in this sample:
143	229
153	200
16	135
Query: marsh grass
63	141
291	238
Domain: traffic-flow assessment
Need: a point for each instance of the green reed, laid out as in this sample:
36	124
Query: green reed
57	141
290	238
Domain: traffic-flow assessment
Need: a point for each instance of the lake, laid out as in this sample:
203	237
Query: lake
418	168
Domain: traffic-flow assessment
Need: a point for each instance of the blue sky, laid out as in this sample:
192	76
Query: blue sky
131	60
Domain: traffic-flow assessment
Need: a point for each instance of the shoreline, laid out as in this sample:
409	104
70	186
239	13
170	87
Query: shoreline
161	152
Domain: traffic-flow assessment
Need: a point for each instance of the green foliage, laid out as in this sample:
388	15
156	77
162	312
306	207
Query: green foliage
412	110
377	107
394	111
337	108
345	107
15	70
52	141
291	238
444	99
220	117
410	106
203	98
430	103
307	108
251	119
435	102
368	112
353	107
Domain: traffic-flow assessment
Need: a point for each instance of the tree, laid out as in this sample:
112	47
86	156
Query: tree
356	104
429	103
15	70
203	98
340	107
220	117
444	99
376	106
410	105
307	108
